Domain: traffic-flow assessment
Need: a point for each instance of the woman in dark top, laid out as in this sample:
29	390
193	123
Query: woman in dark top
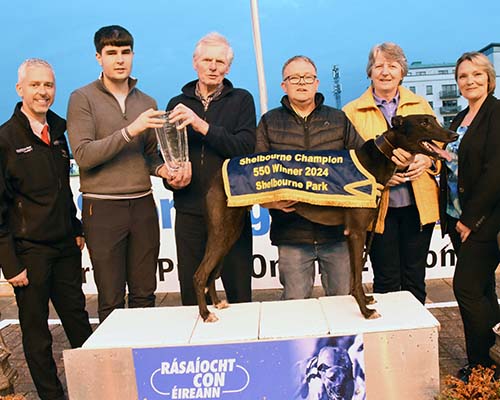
470	205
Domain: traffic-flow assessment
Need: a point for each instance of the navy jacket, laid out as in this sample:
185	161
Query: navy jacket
231	133
36	203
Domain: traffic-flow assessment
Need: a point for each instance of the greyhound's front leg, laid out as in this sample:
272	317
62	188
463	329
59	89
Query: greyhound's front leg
356	240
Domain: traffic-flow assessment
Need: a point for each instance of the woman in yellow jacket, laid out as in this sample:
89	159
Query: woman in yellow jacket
409	210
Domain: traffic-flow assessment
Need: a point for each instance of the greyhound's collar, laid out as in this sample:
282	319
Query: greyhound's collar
384	146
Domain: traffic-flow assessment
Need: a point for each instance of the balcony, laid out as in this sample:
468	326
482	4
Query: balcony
450	109
449	94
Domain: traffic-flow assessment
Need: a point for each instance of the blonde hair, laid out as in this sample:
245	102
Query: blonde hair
482	62
392	51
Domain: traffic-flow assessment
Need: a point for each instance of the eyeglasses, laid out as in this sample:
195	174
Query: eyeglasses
295	79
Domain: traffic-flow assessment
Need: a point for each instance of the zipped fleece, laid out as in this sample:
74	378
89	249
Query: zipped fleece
36	203
231	133
326	128
110	163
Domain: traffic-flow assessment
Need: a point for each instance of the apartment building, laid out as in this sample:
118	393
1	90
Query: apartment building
436	83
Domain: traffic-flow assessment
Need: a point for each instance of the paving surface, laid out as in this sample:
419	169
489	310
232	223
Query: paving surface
451	339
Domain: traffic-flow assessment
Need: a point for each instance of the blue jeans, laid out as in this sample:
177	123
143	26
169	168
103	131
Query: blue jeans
297	269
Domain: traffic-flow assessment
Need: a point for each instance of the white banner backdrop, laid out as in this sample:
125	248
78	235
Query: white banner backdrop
441	257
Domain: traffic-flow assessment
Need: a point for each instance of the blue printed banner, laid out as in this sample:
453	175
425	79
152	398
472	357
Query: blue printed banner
309	368
328	178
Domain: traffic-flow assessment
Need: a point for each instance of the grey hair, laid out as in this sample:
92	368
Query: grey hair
31	62
392	51
297	58
214	39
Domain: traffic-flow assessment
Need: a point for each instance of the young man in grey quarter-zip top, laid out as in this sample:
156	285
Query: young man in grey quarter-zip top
110	127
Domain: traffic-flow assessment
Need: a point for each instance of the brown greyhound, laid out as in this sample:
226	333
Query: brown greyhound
413	133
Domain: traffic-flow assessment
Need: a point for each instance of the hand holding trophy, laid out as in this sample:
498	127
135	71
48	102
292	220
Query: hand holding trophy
173	144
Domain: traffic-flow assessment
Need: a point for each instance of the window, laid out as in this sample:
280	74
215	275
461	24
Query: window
447	121
449	91
431	103
449	107
421	72
442	71
412	88
450	88
428	89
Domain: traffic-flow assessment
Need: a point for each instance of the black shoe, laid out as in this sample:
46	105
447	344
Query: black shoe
464	373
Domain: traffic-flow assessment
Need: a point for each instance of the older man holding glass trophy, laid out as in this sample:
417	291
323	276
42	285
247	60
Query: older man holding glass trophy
220	122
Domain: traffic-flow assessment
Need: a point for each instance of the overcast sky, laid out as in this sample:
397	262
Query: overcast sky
329	31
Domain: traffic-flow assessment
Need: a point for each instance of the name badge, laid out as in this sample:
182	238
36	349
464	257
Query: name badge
23	150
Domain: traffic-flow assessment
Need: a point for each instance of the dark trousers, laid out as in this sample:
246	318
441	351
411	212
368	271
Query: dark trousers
191	238
474	288
54	273
123	239
399	255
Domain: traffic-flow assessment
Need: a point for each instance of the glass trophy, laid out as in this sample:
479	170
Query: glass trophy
173	143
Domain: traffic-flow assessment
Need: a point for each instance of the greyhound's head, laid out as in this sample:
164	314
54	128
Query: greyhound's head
416	134
335	371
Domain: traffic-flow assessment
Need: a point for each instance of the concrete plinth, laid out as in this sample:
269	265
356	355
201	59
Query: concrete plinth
400	348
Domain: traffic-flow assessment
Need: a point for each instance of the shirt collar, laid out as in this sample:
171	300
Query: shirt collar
36	126
380	101
207	100
132	82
